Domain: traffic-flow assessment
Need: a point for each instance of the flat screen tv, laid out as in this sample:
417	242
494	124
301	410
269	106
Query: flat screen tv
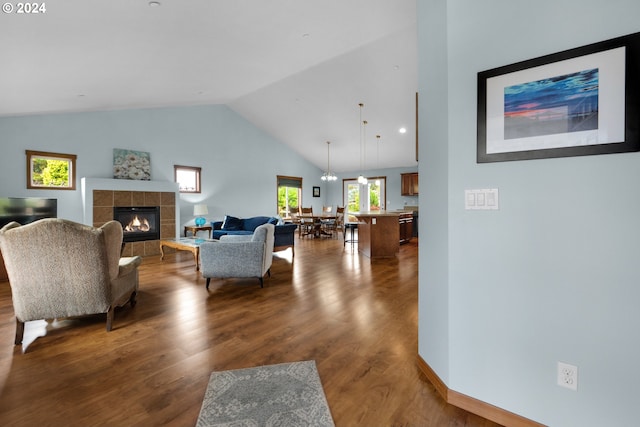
26	210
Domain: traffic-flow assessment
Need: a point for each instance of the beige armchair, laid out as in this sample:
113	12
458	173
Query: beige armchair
58	268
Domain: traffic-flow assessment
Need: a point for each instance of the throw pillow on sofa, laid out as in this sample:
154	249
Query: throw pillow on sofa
232	223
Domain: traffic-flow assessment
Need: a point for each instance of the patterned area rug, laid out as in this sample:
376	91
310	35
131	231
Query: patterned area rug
288	394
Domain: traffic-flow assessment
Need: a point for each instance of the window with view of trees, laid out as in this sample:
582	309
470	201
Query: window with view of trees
367	197
51	170
289	195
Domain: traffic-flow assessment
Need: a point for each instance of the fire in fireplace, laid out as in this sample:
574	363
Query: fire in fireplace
138	223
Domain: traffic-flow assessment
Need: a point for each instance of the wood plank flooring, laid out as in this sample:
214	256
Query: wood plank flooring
355	317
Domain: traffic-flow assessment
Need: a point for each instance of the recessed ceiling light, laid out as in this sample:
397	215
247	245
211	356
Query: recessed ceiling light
154	3
402	130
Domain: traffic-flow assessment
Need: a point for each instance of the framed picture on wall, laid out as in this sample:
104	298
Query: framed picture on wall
578	102
316	191
130	164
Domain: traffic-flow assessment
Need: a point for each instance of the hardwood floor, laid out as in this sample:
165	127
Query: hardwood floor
355	317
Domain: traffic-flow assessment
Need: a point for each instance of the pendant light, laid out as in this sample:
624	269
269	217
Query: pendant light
363	123
328	175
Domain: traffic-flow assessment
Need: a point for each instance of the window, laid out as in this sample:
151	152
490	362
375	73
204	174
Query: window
289	195
51	170
364	198
188	178
377	193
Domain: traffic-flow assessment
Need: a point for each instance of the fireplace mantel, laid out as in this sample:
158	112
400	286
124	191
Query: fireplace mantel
88	185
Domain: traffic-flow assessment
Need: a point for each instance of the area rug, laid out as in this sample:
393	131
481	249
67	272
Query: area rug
287	394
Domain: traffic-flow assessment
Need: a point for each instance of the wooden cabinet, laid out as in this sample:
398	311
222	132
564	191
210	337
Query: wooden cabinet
406	227
409	184
378	234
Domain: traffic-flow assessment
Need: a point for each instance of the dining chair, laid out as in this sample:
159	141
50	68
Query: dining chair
339	220
329	226
307	225
326	225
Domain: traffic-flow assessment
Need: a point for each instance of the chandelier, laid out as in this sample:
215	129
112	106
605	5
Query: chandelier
361	179
328	175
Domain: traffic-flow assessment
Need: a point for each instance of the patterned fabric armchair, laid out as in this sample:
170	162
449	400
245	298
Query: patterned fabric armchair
58	268
239	255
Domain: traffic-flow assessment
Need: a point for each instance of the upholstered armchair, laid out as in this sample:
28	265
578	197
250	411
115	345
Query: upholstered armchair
239	255
58	268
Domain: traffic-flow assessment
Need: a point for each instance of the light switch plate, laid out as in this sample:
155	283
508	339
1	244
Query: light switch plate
481	199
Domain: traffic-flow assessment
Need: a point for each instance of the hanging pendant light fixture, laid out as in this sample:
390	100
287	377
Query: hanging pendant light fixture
361	179
328	175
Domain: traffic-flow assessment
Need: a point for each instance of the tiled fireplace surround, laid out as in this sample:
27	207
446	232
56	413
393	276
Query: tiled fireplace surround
101	195
105	200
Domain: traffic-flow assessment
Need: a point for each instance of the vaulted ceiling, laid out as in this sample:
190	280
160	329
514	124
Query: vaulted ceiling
295	68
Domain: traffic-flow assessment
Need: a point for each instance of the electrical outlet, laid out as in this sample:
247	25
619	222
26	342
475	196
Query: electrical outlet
568	376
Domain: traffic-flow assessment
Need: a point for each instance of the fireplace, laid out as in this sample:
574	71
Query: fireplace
139	223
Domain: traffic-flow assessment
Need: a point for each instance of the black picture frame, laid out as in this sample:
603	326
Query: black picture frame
316	191
511	126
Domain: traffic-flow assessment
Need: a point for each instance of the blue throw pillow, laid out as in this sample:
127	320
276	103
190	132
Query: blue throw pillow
232	223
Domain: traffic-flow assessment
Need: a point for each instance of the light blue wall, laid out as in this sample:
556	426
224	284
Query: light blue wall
239	162
551	276
433	292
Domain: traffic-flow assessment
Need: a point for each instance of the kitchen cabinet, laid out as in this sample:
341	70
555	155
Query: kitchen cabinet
409	184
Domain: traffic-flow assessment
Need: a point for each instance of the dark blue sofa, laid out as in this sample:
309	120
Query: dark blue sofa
283	236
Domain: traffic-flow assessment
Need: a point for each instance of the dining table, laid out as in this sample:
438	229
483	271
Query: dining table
316	220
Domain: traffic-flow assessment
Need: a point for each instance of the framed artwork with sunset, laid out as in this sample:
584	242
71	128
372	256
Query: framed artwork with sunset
582	101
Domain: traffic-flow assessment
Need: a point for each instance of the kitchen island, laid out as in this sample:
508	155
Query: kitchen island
379	233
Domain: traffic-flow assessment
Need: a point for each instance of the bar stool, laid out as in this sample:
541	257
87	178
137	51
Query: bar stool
351	226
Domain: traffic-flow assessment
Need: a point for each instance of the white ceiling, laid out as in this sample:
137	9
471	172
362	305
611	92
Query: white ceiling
295	68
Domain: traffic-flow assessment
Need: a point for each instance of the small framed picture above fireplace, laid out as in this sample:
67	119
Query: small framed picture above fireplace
129	164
